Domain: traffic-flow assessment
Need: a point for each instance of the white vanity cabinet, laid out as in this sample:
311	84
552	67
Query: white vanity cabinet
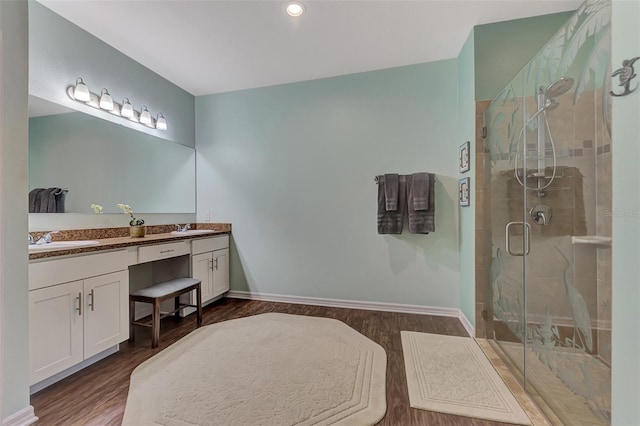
210	264
78	307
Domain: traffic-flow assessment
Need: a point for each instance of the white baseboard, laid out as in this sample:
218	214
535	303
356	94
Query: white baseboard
467	324
350	304
23	417
71	370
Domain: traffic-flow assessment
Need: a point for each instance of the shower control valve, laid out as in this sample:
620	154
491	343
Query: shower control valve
541	214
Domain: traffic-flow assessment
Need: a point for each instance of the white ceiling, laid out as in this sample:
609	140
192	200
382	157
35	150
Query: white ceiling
213	46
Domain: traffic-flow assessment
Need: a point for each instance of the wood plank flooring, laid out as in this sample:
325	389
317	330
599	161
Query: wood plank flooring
97	394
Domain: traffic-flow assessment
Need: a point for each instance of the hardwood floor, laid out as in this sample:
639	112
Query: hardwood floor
97	394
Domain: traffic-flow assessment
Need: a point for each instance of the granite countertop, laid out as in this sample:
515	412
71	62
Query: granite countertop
115	238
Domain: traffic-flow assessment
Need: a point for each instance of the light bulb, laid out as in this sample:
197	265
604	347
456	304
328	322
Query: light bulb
161	122
106	102
295	9
127	108
145	115
81	92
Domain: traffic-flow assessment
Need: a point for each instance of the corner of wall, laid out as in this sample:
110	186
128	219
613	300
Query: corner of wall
466	132
13	215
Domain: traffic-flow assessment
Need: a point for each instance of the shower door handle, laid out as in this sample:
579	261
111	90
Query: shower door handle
507	230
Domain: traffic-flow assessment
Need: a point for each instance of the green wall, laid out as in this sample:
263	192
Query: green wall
625	380
466	129
13	215
151	174
503	48
292	167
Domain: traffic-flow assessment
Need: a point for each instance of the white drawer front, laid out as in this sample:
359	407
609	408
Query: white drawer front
163	251
50	272
204	245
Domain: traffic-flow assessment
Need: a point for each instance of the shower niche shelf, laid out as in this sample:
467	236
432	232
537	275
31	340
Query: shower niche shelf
594	240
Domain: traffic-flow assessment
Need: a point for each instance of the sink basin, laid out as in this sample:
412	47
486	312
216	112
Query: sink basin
63	245
193	232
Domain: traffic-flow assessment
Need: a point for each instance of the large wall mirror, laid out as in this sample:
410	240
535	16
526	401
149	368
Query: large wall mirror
103	163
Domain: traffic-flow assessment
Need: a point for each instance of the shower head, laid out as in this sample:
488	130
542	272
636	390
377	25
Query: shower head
558	87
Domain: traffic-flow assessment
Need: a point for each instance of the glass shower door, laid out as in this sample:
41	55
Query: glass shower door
504	292
549	181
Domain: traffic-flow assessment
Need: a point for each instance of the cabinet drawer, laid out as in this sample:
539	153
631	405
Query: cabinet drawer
204	245
50	272
163	251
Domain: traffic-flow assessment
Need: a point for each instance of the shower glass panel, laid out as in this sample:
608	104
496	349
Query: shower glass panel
550	185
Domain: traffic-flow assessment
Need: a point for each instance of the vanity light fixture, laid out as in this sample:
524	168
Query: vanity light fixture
145	116
161	122
80	92
127	109
106	102
294	9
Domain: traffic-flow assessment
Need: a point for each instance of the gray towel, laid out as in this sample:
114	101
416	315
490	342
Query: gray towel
419	191
422	221
391	191
51	200
34	197
390	222
61	195
42	201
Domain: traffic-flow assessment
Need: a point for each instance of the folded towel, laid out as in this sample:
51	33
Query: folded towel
51	199
419	191
61	195
422	221
34	205
391	191
391	222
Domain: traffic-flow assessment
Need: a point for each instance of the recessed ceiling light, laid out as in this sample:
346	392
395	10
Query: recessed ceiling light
295	9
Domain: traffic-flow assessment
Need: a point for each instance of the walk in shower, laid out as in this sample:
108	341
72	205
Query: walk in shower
548	187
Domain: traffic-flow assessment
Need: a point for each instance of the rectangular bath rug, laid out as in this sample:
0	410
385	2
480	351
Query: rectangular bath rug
451	374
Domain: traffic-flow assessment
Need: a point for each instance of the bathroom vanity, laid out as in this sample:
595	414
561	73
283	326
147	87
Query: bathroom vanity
79	298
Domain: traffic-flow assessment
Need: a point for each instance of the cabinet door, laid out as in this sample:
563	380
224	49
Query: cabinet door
106	311
55	329
220	271
201	268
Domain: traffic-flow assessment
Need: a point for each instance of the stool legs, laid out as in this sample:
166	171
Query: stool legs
156	315
199	303
132	318
176	306
155	326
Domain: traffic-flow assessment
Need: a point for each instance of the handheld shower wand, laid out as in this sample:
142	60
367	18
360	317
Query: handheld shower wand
545	102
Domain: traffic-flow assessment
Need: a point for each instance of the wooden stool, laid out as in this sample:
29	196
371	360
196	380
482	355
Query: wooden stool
158	293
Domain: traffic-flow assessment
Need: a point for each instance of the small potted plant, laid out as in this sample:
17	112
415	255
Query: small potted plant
137	228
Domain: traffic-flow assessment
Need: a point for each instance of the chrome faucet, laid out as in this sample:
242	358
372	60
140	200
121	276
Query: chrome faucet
184	228
31	242
46	238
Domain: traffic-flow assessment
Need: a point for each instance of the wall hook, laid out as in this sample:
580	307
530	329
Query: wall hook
625	75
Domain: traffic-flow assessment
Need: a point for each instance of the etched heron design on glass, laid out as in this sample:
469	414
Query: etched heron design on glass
494	272
581	318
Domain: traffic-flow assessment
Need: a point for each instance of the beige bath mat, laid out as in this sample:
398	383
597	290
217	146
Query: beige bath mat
452	375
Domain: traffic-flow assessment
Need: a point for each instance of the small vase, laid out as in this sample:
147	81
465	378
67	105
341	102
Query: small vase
137	231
